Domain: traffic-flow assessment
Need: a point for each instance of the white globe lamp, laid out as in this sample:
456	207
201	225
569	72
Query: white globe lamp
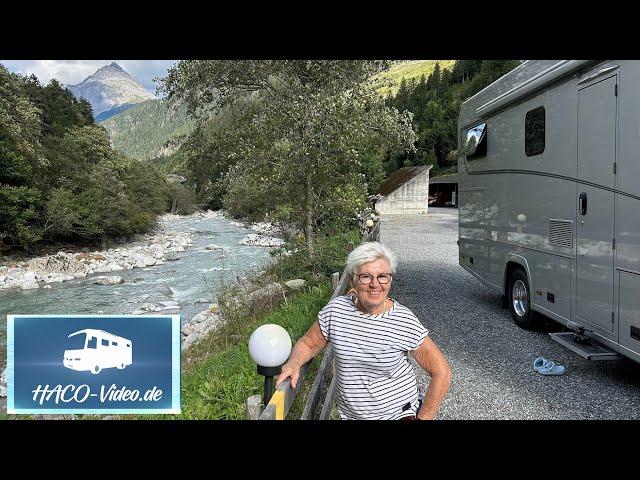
269	347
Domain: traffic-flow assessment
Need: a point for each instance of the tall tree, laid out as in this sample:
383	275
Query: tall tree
310	126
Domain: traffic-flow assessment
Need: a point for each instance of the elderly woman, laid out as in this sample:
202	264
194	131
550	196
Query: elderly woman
372	336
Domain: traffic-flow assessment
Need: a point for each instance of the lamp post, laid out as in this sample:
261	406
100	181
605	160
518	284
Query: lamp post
269	347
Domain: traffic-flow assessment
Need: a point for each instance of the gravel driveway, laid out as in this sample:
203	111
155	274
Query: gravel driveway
490	356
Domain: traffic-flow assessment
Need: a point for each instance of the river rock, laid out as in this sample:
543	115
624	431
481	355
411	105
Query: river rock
166	290
203	300
112	280
213	246
138	312
150	307
79	275
296	284
172	257
3	377
261	241
169	310
194	327
203	316
114	267
169	303
271	293
88	257
3	391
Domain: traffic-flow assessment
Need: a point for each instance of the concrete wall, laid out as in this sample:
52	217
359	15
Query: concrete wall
410	198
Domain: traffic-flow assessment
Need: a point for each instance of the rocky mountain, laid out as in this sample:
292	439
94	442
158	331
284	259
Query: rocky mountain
109	89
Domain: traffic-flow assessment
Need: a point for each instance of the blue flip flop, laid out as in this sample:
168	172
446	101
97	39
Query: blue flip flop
551	368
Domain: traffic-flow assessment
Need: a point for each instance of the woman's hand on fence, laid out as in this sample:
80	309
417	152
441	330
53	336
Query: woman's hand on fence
289	369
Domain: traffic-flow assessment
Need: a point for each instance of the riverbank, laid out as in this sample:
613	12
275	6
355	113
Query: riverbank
146	250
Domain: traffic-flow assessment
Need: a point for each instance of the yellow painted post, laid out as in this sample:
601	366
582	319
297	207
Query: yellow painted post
277	400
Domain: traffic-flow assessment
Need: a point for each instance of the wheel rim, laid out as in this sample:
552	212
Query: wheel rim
520	298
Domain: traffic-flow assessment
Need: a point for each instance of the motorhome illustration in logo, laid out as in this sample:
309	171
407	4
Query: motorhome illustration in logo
93	364
96	350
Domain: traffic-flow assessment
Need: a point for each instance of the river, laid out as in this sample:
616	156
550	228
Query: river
198	274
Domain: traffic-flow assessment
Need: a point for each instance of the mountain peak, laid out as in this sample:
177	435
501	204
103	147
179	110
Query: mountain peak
110	87
112	68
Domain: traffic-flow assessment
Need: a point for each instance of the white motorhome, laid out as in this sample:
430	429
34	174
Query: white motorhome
92	350
549	198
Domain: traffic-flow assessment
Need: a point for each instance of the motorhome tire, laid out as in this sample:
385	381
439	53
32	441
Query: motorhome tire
520	299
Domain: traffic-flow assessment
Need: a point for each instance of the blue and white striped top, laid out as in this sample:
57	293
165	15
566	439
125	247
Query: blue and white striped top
374	377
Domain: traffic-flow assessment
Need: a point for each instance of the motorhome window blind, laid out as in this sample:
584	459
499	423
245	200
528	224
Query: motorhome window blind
534	132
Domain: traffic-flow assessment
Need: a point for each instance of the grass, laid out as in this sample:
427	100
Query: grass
389	81
218	374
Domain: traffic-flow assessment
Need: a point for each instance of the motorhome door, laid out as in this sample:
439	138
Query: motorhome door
597	112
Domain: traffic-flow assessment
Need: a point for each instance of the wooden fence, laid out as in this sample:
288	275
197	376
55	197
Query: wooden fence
282	399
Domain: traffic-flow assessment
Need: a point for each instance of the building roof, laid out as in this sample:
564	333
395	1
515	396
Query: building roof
452	178
400	177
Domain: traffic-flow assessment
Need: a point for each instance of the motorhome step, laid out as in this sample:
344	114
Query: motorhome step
590	350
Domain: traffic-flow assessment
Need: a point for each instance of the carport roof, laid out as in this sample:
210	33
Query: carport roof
400	177
453	178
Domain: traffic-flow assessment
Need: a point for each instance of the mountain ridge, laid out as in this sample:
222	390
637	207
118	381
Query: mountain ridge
110	87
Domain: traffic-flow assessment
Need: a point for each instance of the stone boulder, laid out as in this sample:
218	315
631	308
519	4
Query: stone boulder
112	280
296	284
271	294
261	241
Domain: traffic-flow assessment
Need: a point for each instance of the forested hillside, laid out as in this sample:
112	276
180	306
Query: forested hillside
59	177
387	82
149	130
435	101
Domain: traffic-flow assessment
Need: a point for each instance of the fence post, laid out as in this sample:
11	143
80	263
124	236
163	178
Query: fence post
335	278
252	407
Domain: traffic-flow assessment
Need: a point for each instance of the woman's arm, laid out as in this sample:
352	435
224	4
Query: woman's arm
304	350
429	356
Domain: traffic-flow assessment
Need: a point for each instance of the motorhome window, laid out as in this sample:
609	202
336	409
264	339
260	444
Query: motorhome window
128	345
476	146
115	344
92	342
534	132
105	342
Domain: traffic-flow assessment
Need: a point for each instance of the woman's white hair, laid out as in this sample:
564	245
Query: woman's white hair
370	252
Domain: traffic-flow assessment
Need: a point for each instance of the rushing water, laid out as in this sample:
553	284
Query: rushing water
197	274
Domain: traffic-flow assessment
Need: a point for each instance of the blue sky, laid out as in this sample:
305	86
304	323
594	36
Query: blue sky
74	71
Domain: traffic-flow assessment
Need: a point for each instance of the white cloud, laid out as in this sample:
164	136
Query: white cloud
70	72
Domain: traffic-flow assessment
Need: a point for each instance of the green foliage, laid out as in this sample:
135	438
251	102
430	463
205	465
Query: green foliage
330	256
180	199
388	82
216	386
149	130
59	177
293	138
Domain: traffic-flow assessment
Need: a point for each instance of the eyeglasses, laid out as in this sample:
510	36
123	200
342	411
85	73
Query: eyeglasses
366	278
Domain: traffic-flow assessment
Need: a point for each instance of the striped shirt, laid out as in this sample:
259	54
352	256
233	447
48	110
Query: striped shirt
374	377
